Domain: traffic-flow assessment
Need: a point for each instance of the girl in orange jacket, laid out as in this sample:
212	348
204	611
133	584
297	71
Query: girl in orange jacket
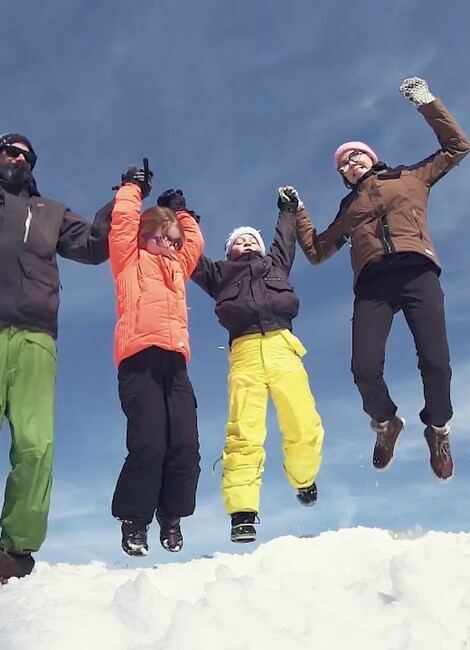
152	255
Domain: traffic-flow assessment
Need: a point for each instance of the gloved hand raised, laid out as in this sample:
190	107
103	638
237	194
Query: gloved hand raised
141	177
417	91
289	199
173	199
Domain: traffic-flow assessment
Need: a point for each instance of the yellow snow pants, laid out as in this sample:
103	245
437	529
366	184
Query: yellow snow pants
261	366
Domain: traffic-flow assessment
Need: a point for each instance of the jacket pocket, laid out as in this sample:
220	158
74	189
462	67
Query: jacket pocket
294	343
40	287
418	225
42	340
230	309
229	293
40	232
39	270
282	297
278	284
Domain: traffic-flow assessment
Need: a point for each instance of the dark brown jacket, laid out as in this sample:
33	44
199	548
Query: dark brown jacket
386	212
33	231
253	293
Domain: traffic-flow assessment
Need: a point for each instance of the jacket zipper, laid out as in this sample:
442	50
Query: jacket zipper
254	300
386	234
27	224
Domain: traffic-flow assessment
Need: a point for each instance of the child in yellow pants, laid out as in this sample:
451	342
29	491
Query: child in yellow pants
256	304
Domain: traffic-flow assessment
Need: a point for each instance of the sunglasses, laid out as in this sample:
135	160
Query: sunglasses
15	152
353	157
175	244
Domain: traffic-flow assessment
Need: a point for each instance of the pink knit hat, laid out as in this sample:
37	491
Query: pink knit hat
354	146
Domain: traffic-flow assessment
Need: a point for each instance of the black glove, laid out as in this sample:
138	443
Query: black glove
289	200
287	206
141	177
173	199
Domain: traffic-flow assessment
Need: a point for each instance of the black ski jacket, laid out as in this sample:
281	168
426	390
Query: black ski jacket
33	230
253	293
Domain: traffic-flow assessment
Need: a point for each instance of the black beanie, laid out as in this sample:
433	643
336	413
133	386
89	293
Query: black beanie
10	138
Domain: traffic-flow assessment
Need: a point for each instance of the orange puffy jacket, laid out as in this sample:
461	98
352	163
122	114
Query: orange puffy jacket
150	289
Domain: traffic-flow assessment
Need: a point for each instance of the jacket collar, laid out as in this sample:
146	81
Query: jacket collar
249	256
18	181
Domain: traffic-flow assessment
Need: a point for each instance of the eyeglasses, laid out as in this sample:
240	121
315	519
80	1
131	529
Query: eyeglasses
15	152
353	157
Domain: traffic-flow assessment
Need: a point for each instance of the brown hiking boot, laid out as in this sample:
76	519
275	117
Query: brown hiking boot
387	436
14	565
440	457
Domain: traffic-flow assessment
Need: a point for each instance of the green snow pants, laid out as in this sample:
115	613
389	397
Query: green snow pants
27	398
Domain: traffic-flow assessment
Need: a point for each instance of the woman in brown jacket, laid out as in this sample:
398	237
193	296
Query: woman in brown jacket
384	220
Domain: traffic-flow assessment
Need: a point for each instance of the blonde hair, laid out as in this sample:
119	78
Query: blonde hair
159	219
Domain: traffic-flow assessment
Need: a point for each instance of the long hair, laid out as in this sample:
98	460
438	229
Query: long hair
156	219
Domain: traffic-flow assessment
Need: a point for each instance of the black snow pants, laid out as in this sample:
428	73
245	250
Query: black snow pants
407	283
162	469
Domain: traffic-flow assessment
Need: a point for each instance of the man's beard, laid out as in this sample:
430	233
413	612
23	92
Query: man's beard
15	177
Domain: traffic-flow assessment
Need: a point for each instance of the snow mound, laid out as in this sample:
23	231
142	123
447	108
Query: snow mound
356	589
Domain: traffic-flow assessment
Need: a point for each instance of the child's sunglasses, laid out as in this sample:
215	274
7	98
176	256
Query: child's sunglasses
176	244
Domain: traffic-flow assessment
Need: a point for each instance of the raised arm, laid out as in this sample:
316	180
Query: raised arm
193	242
82	241
204	270
123	237
320	247
282	249
317	248
453	142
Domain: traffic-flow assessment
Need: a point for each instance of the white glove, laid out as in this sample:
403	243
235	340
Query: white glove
289	193
417	91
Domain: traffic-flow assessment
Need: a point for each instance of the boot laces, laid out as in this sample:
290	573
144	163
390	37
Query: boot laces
442	447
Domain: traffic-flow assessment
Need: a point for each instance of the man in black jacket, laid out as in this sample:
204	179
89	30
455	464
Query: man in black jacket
33	230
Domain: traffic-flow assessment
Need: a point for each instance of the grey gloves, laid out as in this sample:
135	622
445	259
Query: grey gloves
289	194
417	91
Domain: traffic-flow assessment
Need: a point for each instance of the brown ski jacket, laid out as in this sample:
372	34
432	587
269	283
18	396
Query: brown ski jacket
386	212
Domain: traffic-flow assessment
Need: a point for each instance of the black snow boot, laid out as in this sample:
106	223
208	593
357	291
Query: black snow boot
14	565
307	496
243	527
171	537
134	538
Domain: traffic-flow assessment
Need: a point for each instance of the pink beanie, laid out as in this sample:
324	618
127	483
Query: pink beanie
354	146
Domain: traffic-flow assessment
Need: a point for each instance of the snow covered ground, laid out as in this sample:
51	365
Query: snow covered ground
356	589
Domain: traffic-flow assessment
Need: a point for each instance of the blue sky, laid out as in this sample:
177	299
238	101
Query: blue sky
230	100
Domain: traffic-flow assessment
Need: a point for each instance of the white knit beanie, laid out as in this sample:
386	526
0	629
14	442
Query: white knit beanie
244	230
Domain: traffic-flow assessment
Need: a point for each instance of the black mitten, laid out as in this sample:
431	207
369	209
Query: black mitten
173	199
289	199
